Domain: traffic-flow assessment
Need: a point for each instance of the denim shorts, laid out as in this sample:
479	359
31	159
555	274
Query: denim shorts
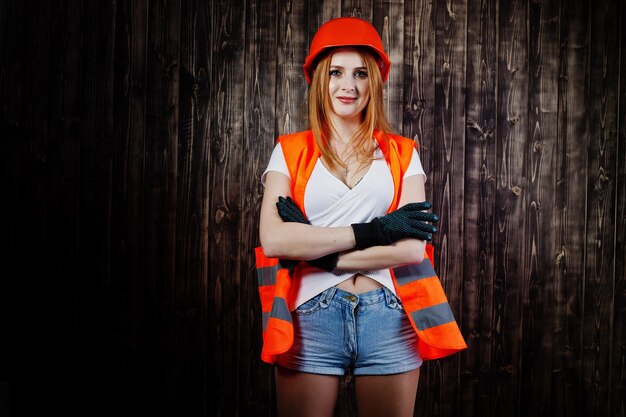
338	333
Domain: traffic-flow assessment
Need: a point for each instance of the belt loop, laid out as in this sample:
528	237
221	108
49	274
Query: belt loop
392	300
327	295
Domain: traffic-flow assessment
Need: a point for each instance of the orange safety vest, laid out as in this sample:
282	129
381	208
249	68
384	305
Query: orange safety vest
417	285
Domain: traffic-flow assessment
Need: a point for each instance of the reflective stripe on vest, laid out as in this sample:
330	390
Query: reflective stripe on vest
416	285
425	311
426	304
274	285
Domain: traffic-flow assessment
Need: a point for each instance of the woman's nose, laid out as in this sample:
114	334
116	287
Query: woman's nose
349	84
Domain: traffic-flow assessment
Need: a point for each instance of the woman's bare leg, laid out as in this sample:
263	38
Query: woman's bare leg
387	395
299	394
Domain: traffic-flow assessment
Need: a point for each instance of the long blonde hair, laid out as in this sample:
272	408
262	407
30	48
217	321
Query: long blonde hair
373	115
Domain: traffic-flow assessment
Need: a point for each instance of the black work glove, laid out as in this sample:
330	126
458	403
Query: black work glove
289	211
409	221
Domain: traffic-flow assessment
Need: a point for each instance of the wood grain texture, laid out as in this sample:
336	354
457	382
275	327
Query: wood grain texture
419	84
617	389
600	219
388	19
512	142
133	137
448	185
291	97
362	9
571	171
539	203
227	24
479	226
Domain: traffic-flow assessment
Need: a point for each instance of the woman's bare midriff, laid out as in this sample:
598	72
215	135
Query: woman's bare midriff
359	284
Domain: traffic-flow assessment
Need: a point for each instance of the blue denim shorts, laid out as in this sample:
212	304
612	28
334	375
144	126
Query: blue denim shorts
338	333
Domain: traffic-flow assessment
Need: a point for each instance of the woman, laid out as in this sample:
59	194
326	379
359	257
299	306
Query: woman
344	209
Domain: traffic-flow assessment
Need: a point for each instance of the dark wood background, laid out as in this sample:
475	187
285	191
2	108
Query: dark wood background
133	137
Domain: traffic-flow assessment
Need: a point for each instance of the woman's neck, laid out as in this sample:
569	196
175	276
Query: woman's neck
343	130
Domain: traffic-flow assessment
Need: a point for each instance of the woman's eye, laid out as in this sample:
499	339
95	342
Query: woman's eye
360	74
335	73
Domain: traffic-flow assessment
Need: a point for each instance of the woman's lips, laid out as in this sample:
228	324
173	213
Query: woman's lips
347	100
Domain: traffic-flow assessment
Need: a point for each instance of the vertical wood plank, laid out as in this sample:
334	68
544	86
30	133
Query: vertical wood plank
617	388
511	183
191	316
448	182
419	81
539	246
293	47
228	40
479	226
194	158
388	19
600	220
571	171
259	121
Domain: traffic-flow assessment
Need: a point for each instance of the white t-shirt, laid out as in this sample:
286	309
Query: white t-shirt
329	202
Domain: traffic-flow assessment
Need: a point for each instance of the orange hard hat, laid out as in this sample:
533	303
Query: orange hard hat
346	31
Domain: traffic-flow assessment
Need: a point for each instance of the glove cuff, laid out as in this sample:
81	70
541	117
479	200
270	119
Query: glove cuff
366	235
327	263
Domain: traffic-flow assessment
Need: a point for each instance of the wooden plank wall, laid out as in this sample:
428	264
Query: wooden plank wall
134	134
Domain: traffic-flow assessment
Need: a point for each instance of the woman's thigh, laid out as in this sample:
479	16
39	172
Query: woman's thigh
387	395
305	395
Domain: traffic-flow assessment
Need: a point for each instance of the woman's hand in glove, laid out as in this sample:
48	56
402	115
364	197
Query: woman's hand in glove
409	221
289	211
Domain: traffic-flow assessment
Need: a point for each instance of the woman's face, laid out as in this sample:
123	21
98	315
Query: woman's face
348	87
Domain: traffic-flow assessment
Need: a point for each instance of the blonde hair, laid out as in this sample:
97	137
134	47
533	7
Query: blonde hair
373	115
